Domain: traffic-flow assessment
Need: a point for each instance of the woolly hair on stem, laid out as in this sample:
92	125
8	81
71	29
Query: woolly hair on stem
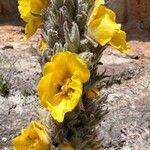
65	29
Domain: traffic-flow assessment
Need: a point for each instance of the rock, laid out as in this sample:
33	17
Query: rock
145	24
22	71
134	14
127	85
120	8
8	10
20	67
8	46
125	81
140	11
15	114
111	56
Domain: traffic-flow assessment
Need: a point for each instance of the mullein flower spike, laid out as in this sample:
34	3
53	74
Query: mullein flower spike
68	87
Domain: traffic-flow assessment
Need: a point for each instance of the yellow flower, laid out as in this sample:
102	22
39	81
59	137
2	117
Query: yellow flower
32	138
92	93
66	147
42	45
102	27
30	12
118	41
60	88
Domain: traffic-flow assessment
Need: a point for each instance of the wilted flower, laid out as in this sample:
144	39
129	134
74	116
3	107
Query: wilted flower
32	138
30	11
42	45
102	27
66	147
60	88
92	93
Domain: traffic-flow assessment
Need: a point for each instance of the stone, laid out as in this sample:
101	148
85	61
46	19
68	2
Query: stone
126	126
8	46
134	14
8	10
22	71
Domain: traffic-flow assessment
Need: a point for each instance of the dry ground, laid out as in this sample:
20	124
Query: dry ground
126	82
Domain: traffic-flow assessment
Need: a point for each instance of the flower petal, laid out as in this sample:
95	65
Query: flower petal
38	5
60	88
32	26
30	11
66	147
42	45
34	138
24	9
66	104
46	89
102	26
92	93
70	63
119	42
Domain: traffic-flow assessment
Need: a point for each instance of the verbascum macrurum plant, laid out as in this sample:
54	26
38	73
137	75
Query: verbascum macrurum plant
30	12
74	35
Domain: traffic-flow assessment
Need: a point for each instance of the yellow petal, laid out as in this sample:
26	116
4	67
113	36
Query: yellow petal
100	10
28	7
38	5
42	45
66	147
32	26
24	9
32	138
47	89
100	1
92	93
30	11
70	63
56	103
60	88
102	26
119	42
66	104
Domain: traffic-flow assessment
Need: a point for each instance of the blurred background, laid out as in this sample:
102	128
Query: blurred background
134	14
8	11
